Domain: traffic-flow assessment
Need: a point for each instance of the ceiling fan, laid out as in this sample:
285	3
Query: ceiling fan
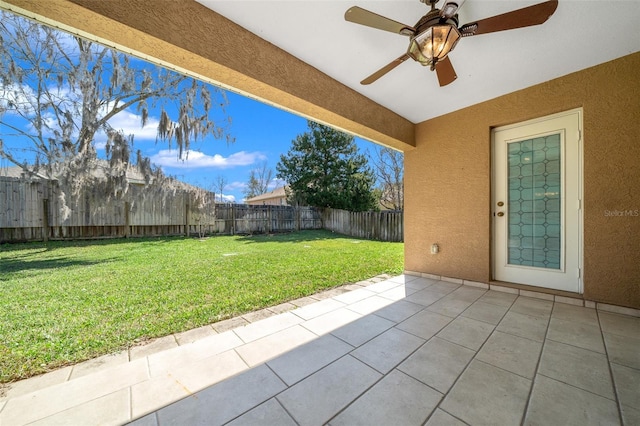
437	32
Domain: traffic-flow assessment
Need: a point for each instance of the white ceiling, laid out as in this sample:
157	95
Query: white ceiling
580	34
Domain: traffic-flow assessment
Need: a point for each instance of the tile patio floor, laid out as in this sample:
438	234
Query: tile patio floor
402	351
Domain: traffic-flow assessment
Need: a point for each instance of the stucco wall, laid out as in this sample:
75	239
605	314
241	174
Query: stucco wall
448	186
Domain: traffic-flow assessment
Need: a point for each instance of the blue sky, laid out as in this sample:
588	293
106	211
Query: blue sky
261	132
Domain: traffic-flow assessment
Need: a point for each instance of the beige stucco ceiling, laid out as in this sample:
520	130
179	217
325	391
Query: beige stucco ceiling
580	34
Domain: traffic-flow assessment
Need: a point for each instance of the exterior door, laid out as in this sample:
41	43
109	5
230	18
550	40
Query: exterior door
537	218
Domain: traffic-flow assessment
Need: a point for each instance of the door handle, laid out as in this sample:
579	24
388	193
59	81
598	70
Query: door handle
500	214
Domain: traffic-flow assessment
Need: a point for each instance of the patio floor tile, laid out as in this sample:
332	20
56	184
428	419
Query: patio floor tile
301	362
404	278
282	308
627	383
157	345
225	401
512	353
229	324
331	321
399	311
388	349
578	367
487	395
581	334
194	335
426	297
424	324
449	306
485	312
148	420
438	363
97	364
322	395
363	329
556	403
420	283
383	286
630	416
620	324
262	350
354	296
623	350
267	413
534	328
51	400
398	293
162	362
112	409
258	315
466	332
397	399
563	311
442	418
257	330
446	285
147	396
33	384
499	298
206	372
370	305
317	309
468	293
533	307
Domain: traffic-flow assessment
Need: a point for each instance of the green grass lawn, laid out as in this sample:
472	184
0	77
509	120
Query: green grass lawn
64	302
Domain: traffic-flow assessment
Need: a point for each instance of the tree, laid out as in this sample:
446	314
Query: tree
59	92
388	165
219	185
259	179
324	169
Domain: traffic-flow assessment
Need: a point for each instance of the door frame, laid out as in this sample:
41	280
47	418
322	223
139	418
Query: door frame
580	166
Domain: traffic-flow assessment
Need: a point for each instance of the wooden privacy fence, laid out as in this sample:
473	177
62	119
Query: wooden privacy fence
383	226
33	211
36	211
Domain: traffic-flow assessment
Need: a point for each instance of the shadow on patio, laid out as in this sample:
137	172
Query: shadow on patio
407	350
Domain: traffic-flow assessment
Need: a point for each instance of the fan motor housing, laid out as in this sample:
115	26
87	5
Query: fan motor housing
433	18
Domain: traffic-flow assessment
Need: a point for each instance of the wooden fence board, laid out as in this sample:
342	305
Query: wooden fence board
91	216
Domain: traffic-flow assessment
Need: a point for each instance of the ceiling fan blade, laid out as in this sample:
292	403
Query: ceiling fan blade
446	73
450	8
364	17
525	17
382	71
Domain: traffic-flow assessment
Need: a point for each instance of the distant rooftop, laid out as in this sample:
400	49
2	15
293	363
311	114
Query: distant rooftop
276	193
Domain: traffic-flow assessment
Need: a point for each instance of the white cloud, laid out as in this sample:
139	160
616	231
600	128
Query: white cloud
196	159
224	198
129	124
236	185
276	183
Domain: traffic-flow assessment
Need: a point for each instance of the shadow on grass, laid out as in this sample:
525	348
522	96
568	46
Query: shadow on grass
294	237
41	247
14	265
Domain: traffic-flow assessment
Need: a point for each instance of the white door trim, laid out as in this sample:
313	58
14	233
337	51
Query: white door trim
574	173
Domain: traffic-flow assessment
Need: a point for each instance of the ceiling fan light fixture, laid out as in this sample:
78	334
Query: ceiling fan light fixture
433	44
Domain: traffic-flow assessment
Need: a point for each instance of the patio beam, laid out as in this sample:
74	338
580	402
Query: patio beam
192	38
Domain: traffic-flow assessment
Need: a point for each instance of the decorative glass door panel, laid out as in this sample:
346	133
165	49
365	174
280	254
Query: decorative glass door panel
536	202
